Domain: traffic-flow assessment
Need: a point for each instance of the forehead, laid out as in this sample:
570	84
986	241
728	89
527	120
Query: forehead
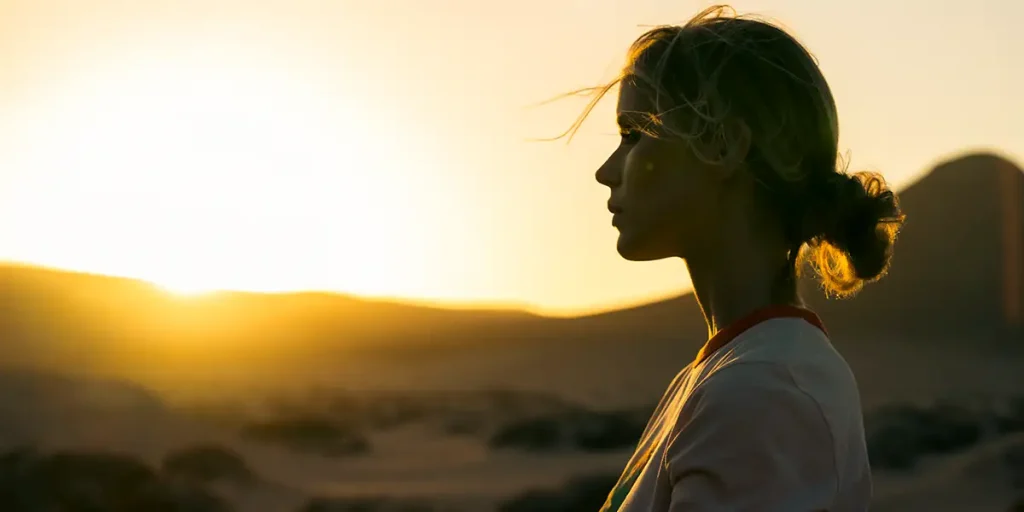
633	99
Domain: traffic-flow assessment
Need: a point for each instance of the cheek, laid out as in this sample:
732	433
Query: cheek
641	173
655	180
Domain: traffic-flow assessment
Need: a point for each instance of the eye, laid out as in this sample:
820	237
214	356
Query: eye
630	136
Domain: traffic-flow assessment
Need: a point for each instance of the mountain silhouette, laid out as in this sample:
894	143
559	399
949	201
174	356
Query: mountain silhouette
957	275
957	266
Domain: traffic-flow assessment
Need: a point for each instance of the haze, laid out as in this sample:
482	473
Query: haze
383	148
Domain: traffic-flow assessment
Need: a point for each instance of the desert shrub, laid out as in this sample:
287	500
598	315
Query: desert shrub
897	436
318	504
538	500
309	435
461	424
582	494
893	446
93	481
588	431
534	434
1011	418
366	504
598	432
950	428
396	411
1013	460
207	463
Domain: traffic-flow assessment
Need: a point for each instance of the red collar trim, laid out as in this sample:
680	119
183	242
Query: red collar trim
731	332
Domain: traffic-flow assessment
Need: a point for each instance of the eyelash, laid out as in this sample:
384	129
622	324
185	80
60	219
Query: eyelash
630	136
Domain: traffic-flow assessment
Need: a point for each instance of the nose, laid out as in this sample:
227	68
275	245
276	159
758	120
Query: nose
610	173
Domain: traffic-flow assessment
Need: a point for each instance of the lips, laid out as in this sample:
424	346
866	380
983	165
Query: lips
616	211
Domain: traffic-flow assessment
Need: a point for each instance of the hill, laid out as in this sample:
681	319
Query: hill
955	287
957	268
60	320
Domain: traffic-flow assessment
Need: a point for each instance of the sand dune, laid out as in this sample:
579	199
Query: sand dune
415	462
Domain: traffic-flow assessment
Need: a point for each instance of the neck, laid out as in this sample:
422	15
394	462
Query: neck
737	282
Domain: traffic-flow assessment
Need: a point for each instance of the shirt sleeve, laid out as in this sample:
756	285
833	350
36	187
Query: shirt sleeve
749	439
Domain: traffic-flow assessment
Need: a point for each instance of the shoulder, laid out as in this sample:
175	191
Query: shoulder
753	413
785	340
785	354
749	387
749	438
756	407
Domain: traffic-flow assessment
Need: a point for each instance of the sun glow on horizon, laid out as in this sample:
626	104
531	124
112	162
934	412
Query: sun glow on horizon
203	171
185	290
184	287
366	149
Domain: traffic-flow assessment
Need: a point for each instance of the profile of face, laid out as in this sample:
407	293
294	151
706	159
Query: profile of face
666	202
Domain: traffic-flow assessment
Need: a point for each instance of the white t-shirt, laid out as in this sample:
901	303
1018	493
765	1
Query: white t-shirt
767	418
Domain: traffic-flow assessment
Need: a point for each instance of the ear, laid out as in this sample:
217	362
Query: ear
735	147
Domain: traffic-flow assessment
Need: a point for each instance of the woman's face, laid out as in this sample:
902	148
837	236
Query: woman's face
664	200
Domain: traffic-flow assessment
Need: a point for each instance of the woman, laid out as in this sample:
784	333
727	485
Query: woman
729	160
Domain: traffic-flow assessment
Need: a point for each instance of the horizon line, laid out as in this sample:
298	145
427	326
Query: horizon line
496	305
469	305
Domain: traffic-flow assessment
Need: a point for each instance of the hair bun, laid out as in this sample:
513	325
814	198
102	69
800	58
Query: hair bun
852	212
852	229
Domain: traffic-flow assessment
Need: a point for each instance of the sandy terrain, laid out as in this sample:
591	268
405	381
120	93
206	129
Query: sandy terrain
415	460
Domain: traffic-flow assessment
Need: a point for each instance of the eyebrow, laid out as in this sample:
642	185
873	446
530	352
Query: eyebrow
634	120
627	120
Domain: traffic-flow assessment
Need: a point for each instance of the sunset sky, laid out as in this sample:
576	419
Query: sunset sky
382	148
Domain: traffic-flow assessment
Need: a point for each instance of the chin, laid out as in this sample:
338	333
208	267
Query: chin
632	249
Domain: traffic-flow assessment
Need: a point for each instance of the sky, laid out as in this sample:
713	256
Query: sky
387	148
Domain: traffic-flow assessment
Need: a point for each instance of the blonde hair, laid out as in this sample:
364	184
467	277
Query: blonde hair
719	68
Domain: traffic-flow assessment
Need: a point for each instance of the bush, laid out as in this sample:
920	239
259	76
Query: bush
589	431
1011	419
898	436
115	476
342	505
536	434
396	411
90	481
310	435
170	497
582	494
365	504
949	428
1013	460
536	501
893	447
609	431
207	463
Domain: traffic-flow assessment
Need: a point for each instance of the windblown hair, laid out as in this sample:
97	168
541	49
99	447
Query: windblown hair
720	68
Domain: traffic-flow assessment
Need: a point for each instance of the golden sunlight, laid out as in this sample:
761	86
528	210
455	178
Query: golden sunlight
184	287
205	171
